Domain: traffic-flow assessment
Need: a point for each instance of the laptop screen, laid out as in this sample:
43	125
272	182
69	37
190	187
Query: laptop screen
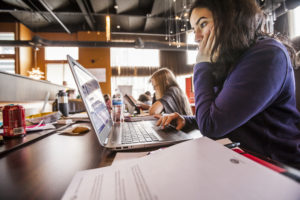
92	97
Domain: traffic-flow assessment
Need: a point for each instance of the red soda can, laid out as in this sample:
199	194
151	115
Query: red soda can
13	121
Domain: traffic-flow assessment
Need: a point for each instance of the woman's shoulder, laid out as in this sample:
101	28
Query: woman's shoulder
174	89
268	43
265	48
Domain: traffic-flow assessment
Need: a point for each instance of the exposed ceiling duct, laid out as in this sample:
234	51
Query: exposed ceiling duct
138	43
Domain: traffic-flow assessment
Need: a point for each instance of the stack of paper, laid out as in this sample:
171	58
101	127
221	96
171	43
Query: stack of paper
196	169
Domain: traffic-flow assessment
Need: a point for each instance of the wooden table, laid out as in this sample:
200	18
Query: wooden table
44	168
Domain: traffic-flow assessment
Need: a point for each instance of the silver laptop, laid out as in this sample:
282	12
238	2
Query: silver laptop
125	135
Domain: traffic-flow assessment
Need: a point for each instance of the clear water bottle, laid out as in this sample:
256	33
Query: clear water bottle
118	107
63	104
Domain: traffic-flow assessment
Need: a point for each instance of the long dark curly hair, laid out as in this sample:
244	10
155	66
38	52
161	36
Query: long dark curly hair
238	24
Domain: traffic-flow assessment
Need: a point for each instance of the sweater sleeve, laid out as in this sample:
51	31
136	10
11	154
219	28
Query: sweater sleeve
190	122
251	87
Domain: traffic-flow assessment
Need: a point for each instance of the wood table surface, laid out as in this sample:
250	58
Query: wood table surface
44	169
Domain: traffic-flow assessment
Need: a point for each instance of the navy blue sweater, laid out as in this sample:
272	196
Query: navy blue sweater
256	105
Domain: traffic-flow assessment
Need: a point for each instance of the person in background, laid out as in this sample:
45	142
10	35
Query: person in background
107	100
243	80
296	45
71	94
150	102
169	97
65	83
146	99
148	93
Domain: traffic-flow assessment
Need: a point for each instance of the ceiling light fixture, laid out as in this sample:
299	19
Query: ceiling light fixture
35	72
107	28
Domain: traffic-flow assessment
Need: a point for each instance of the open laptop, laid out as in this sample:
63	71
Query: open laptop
131	103
132	100
116	136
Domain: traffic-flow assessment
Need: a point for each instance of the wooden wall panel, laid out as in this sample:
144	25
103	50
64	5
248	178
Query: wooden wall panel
176	62
25	53
58	36
7	27
96	57
88	57
51	36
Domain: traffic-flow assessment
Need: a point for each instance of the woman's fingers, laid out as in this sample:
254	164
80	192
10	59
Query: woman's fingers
210	42
159	121
162	120
203	43
157	116
165	120
169	119
180	122
163	123
205	47
180	125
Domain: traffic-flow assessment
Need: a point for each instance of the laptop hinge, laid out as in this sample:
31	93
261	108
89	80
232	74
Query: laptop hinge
106	141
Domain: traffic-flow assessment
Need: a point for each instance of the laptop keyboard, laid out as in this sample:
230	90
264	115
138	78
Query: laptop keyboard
135	133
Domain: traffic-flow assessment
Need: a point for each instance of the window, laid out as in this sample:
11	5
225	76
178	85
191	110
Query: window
7	54
139	84
7	65
57	73
191	55
60	53
7	50
58	70
294	17
129	57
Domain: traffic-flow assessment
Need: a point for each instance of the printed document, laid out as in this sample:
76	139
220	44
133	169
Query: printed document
196	169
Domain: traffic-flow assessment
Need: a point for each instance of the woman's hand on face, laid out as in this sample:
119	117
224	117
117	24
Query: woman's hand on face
165	120
205	47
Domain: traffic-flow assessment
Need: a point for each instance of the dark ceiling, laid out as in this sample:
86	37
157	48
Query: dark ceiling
127	16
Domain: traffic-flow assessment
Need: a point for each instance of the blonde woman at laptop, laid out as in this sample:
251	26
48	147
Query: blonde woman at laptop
170	98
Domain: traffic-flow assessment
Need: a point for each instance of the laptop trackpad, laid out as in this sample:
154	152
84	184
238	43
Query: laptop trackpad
169	133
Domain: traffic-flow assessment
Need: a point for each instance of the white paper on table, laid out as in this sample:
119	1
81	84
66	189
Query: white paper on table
39	127
125	156
83	117
224	141
196	169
